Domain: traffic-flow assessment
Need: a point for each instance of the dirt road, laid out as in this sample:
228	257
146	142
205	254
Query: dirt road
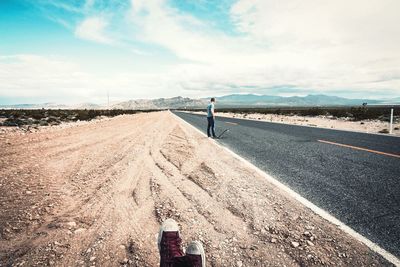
94	195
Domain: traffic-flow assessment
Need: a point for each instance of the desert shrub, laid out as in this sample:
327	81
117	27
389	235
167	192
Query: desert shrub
340	113
358	113
83	115
37	114
364	113
19	117
313	112
355	113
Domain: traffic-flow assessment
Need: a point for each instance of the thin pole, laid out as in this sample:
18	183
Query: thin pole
391	121
108	100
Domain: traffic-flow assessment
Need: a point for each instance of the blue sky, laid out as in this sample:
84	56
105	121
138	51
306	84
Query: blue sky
77	51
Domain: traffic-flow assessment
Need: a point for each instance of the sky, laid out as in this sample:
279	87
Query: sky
77	51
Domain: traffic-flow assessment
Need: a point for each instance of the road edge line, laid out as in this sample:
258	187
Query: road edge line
317	210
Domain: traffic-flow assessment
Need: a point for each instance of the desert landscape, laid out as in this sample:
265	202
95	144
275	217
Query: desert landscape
330	122
104	133
95	193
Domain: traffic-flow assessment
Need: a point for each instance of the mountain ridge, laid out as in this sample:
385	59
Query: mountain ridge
232	100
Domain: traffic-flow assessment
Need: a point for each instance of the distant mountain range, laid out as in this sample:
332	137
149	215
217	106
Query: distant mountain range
309	100
160	103
234	100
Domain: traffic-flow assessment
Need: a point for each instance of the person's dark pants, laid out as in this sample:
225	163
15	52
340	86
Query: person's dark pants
210	126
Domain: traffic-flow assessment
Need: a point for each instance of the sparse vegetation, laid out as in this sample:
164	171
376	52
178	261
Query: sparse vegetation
352	113
45	117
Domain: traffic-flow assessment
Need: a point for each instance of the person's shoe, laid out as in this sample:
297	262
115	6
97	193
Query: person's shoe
169	243
195	254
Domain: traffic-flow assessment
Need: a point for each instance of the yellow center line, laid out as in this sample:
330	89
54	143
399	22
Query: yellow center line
361	148
233	123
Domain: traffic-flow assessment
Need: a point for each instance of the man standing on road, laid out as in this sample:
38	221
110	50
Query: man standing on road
210	118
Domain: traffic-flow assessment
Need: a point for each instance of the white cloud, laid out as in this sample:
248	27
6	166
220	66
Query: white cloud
93	29
89	4
140	52
57	78
322	46
347	43
298	25
183	35
32	75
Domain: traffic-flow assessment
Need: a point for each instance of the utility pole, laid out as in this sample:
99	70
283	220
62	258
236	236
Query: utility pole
391	121
108	99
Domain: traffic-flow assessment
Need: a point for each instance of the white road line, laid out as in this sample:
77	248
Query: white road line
321	212
360	148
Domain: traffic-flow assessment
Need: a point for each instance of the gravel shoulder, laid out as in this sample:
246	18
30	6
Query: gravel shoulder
96	193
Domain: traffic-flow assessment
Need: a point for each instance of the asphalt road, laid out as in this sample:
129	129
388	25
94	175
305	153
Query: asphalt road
360	188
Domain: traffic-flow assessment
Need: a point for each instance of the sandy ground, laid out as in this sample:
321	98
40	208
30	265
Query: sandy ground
366	126
95	195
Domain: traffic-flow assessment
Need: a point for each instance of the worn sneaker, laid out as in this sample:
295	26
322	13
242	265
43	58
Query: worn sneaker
169	243
195	254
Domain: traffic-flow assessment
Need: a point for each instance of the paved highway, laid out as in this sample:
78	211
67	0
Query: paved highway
358	183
